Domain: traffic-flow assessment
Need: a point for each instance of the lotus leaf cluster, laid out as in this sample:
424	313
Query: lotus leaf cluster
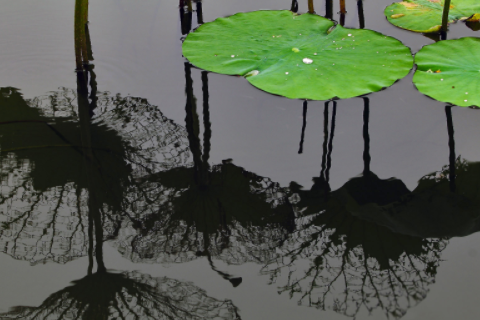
426	15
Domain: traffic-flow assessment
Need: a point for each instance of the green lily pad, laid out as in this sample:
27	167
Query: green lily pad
426	15
449	71
298	56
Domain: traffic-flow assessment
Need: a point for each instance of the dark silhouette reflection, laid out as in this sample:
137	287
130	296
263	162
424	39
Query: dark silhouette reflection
294	6
186	10
329	9
128	295
49	167
304	125
373	244
353	264
215	211
71	152
368	188
199	11
451	147
361	16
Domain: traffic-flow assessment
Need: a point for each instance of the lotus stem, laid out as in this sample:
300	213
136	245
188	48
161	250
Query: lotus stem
330	142
325	139
451	147
329	9
199	12
361	16
310	7
342	7
189	5
294	7
79	30
366	137
304	125
446	9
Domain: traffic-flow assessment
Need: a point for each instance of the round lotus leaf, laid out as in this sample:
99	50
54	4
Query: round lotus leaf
449	71
426	15
298	56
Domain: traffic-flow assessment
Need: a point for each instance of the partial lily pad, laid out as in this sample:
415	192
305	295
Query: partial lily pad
449	71
426	15
298	56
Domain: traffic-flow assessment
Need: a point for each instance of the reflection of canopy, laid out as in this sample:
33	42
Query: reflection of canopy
432	210
44	192
220	211
354	264
364	252
238	217
129	295
152	142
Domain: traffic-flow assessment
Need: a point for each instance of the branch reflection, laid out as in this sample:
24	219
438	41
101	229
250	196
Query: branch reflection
216	211
373	244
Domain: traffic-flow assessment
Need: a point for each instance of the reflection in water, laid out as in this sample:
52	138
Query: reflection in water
129	295
354	264
294	6
64	193
53	174
45	187
373	244
220	211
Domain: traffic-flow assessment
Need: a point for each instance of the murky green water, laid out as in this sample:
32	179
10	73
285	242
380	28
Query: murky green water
149	189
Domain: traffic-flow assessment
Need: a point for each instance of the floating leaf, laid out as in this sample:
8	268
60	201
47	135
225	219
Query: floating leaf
297	56
459	79
426	15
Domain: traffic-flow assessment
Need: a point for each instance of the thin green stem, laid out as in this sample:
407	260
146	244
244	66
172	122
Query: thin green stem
446	9
310	7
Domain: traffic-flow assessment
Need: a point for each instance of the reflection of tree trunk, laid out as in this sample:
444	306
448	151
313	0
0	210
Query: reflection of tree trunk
294	7
329	9
199	12
325	139
451	146
201	166
361	16
89	161
192	125
185	16
330	142
207	129
304	125
366	137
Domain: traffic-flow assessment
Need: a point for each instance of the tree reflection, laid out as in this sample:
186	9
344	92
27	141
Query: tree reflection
71	152
220	211
364	252
127	295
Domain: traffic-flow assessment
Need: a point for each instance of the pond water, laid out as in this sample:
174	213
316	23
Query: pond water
211	199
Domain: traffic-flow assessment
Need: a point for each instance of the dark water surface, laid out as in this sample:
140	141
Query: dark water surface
195	189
